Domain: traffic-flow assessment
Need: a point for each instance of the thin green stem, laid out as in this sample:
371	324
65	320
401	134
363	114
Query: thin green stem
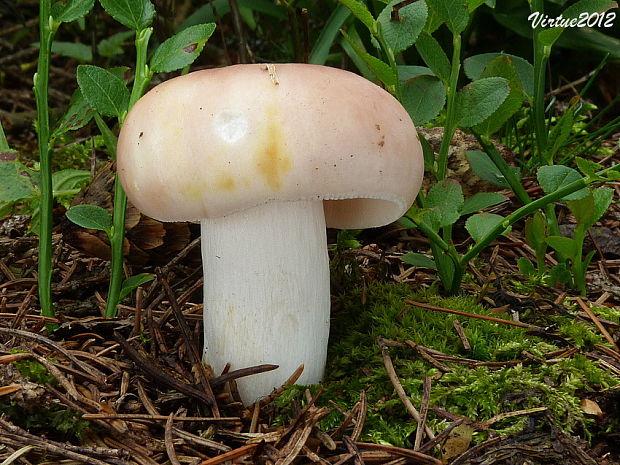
541	55
525	211
502	166
450	126
143	73
41	81
389	53
4	145
431	235
117	238
579	274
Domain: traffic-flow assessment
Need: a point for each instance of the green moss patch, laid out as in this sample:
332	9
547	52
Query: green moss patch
479	393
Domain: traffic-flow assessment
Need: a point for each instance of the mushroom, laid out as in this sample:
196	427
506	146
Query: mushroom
265	157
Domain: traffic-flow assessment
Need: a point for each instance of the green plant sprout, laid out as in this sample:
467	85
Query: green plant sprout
586	205
50	19
500	84
106	93
484	228
20	184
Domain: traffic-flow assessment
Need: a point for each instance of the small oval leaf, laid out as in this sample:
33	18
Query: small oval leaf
105	92
91	217
181	49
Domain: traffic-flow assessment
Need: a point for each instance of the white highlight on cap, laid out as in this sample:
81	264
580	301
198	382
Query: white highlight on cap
230	126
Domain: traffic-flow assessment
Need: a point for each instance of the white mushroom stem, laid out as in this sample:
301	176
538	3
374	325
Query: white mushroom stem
266	293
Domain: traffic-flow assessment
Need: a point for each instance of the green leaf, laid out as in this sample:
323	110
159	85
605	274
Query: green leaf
535	230
417	259
591	208
78	115
485	169
91	217
560	132
503	67
551	178
583	211
564	245
134	282
181	49
213	10
65	184
588	167
406	72
452	12
446	199
65	12
472	5
105	92
427	153
434	56
480	201
603	196
109	138
481	224
134	14
112	46
69	179
559	274
322	45
347	239
75	50
382	70
479	99
345	43
433	23
361	12
549	36
613	174
526	267
406	222
474	66
423	97
401	33
588	6
15	179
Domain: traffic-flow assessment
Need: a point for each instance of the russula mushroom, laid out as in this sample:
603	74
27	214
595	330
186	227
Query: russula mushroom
264	157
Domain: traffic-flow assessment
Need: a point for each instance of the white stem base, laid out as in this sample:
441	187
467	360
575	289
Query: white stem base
266	293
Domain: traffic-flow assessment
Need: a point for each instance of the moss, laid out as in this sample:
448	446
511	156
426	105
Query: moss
355	364
35	372
67	423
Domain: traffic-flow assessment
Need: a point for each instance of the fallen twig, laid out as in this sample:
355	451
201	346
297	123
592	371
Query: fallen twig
597	322
389	366
470	315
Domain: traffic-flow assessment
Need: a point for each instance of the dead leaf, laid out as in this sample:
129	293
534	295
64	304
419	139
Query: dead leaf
591	408
457	443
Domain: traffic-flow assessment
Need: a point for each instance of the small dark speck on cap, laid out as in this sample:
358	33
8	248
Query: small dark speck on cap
141	134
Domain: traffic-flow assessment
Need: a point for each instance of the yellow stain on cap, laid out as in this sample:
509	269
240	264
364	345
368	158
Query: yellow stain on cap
272	160
193	190
225	183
